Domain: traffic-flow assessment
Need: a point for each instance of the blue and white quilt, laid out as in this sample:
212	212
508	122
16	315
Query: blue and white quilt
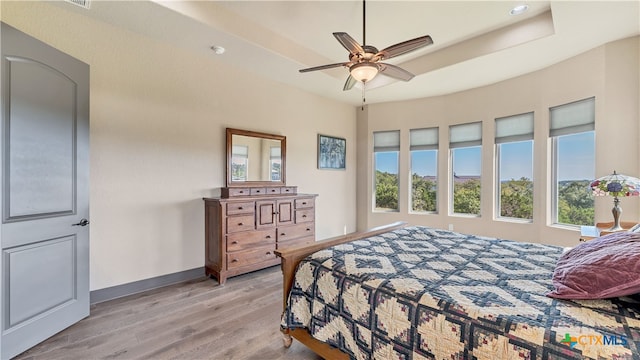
423	293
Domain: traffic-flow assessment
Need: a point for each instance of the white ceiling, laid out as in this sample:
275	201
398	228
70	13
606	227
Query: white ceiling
475	42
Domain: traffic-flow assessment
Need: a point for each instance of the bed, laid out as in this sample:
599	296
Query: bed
414	292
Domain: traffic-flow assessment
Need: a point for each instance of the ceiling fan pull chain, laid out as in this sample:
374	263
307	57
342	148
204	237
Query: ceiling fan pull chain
363	99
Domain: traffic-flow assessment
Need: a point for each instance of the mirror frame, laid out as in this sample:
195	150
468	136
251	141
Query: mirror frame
283	155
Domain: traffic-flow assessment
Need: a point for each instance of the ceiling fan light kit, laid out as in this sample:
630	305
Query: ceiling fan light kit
364	71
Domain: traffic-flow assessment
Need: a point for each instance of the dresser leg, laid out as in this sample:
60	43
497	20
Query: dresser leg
221	277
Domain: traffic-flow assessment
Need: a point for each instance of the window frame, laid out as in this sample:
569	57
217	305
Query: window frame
498	187
556	132
465	141
428	146
513	137
386	148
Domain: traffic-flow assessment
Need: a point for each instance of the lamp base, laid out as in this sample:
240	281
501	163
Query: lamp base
616	211
615	228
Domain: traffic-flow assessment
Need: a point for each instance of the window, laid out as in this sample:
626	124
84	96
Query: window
386	149
573	150
239	162
514	166
465	142
275	163
424	169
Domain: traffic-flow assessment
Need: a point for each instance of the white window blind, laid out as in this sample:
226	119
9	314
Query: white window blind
386	141
464	135
572	118
275	152
423	139
240	150
514	128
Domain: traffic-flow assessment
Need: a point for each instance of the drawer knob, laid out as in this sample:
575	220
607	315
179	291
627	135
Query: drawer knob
234	242
304	203
268	252
308	229
241	192
268	236
240	224
239	207
234	260
257	191
304	216
283	234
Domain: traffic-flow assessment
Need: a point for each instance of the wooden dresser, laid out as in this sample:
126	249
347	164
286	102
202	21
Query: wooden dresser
245	226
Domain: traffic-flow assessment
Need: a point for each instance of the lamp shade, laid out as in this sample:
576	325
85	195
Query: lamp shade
364	71
617	185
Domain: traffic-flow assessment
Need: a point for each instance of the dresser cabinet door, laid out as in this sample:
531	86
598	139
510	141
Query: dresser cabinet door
285	211
266	214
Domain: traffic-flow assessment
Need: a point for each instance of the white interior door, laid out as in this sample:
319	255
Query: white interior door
45	191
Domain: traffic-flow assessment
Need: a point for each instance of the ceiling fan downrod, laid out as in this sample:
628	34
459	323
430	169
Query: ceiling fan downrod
364	23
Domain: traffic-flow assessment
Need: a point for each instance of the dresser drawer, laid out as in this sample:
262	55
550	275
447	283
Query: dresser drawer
273	190
304	203
250	257
288	190
286	233
295	242
303	216
243	241
235	208
258	191
240	223
237	192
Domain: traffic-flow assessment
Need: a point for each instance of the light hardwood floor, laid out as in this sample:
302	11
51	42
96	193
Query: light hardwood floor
192	320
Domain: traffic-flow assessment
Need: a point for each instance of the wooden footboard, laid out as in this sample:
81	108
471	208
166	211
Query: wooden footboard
291	257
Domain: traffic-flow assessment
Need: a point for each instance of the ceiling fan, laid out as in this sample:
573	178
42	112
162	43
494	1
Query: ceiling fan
365	61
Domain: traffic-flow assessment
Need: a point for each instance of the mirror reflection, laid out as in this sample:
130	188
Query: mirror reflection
255	159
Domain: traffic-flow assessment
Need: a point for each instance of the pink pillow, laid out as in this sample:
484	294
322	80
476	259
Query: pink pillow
605	267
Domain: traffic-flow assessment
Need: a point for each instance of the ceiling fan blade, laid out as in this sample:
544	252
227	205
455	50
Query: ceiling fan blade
348	85
395	72
405	47
348	42
322	67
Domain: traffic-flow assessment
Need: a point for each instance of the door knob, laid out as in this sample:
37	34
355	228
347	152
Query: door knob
83	222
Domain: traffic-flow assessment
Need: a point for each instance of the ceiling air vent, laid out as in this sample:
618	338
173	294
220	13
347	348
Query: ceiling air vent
82	3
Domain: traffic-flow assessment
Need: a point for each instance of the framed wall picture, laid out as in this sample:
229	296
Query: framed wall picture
332	152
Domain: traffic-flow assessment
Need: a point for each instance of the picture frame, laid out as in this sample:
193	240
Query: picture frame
332	152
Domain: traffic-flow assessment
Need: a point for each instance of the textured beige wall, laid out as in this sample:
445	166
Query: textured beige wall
158	119
610	73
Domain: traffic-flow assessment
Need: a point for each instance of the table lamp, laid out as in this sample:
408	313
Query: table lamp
616	185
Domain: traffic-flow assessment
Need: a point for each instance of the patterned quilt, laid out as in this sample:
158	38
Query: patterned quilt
423	293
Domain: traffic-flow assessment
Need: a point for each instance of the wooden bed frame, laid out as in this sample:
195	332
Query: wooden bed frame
290	259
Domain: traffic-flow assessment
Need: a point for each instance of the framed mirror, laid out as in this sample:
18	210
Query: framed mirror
255	158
